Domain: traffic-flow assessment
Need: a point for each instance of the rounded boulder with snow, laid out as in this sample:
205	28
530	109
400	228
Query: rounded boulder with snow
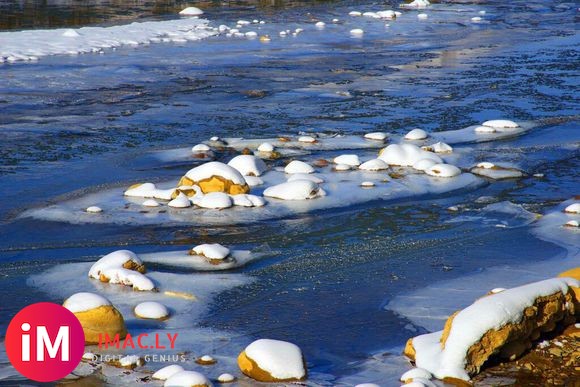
416	134
297	166
215	177
97	316
272	361
151	310
443	170
187	379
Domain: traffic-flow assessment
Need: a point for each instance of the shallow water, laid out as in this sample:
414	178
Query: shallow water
76	124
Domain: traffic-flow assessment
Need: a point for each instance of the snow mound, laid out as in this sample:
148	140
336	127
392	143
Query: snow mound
248	165
496	172
213	200
406	155
181	201
266	147
245	200
83	301
377	136
416	4
167	372
297	166
117	259
443	170
187	379
351	160
305	176
374	165
151	310
211	251
149	190
215	168
424	164
416	134
191	11
283	361
501	124
573	208
94	210
441	147
30	45
295	190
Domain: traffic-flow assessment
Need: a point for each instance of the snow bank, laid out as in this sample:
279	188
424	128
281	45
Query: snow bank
31	45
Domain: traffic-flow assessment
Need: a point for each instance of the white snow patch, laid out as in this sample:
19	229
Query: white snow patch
377	136
357	32
94	210
307	139
83	301
280	359
266	147
416	4
501	124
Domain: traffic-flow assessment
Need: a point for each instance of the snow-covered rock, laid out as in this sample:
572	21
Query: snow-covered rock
149	190
342	167
501	124
374	165
496	172
297	166
573	208
305	176
367	184
268	360
355	13
94	210
441	147
266	147
216	177
187	379
406	155
97	316
415	373
205	360
213	200
572	223
181	201
200	148
151	310
295	190
151	203
320	25
351	160
500	323
357	32
253	181
443	170
376	136
226	378
211	251
245	200
127	277
191	11
248	165
424	164
416	134
117	259
388	14
307	139
167	372
416	4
